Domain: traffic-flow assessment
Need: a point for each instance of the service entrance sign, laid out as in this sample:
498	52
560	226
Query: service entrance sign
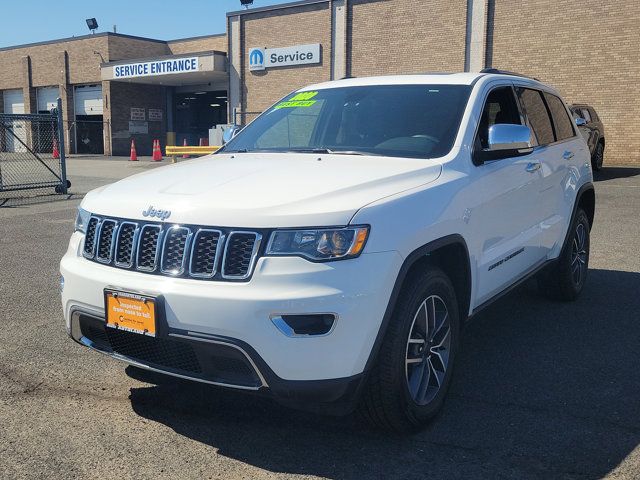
261	58
156	67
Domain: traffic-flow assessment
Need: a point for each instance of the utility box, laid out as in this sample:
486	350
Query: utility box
215	134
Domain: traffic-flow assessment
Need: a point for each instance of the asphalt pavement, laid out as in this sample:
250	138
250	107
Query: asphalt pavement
541	390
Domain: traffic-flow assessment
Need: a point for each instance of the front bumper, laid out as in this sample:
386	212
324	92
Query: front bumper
214	360
238	314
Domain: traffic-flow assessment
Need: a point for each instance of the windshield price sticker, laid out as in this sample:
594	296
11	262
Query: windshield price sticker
302	99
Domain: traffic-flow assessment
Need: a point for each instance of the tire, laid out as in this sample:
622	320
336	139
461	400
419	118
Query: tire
597	158
566	278
396	396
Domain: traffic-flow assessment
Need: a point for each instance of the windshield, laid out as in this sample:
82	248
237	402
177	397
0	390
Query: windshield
393	120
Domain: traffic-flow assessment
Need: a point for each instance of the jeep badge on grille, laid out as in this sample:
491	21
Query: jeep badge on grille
154	212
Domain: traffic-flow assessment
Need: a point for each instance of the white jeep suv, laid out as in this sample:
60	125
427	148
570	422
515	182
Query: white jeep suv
330	253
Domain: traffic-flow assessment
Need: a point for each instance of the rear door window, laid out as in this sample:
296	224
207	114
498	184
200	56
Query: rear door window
561	121
538	115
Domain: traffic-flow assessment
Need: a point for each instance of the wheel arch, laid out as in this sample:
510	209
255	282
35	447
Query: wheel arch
451	254
586	199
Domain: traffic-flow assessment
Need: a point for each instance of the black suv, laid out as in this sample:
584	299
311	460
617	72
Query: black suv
592	130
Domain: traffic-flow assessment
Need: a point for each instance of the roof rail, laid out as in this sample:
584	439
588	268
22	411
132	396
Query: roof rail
506	72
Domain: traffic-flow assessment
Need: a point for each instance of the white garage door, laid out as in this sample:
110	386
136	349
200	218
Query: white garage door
14	103
47	98
88	100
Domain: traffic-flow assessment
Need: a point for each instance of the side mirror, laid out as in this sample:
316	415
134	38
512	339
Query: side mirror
503	136
230	132
580	122
504	141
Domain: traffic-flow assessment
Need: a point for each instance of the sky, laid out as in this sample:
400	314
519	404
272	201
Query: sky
29	21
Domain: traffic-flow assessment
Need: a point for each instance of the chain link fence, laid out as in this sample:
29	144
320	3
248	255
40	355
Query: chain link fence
32	154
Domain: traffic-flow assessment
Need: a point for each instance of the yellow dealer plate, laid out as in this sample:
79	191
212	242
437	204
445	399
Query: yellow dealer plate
131	312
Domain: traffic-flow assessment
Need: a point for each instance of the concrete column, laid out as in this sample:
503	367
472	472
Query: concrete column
29	99
106	117
66	94
28	92
235	65
338	39
171	132
476	35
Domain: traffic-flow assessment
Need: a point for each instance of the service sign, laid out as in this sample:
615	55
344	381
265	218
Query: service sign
155	115
261	58
156	67
137	114
138	126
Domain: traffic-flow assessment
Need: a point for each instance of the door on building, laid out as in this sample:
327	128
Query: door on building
15	138
197	112
89	126
46	100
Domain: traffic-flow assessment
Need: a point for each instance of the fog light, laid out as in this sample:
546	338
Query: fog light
305	325
61	287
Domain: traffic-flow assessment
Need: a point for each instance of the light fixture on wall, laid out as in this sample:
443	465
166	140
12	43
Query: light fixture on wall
92	23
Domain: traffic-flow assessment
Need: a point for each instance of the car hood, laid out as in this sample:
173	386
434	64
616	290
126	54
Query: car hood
262	190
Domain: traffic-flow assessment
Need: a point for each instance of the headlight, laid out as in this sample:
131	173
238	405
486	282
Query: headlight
82	219
319	244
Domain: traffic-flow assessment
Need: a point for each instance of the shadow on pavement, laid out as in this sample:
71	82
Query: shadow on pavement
610	173
541	390
26	198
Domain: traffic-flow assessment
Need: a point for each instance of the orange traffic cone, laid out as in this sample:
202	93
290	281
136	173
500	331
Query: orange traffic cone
184	144
56	153
157	153
134	156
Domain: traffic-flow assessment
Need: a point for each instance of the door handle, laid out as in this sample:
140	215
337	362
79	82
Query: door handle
567	155
533	166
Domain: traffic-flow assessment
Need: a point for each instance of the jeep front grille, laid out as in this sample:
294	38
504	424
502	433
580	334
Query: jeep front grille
173	250
205	252
104	245
89	248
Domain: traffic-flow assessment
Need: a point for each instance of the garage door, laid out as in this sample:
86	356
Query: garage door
17	131
88	100
47	98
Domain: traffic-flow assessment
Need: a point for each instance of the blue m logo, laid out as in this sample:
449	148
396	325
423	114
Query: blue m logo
256	57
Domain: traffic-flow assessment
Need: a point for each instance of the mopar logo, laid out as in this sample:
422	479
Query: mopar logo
154	212
256	59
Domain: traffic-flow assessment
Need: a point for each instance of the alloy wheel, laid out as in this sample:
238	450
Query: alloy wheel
427	351
579	254
599	156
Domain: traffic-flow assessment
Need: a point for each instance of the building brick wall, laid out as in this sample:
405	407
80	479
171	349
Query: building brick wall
400	36
202	44
46	67
123	48
126	95
587	49
283	28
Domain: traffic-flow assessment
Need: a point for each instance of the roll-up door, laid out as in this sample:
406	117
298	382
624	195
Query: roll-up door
88	100
16	129
47	98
